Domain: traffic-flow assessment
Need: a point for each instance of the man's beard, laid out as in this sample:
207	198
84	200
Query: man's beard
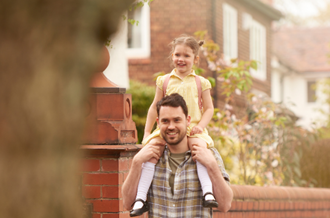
170	142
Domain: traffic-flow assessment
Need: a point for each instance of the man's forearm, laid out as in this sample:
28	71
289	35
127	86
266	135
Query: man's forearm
221	189
130	185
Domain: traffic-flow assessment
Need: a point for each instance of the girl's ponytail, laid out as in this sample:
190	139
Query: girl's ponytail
201	42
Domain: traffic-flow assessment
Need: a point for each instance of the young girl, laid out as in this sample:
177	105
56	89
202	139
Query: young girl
181	80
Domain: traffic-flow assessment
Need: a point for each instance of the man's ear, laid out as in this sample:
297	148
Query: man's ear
188	119
157	121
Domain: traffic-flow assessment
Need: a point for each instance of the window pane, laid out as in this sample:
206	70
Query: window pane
134	31
229	32
258	49
311	91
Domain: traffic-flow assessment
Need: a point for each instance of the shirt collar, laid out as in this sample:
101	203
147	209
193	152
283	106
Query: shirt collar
175	74
167	154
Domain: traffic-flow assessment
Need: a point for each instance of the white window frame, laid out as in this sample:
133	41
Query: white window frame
230	39
143	29
258	49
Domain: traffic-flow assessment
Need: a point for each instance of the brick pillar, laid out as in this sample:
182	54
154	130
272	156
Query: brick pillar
104	168
110	144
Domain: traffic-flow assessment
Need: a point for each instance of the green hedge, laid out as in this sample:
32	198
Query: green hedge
142	97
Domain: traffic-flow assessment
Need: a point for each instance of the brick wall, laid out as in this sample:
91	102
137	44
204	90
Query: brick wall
278	202
104	168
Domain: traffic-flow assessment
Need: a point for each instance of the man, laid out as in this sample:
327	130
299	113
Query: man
176	191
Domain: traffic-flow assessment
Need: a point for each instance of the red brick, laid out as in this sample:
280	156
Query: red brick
239	215
249	215
110	165
90	165
96	215
106	206
126	215
110	215
123	165
121	178
234	206
244	205
250	205
110	192
91	191
100	179
257	214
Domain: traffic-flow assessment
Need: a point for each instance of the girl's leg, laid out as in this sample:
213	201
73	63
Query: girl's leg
203	175
147	174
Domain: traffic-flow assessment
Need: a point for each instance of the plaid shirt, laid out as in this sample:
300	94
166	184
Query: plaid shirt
188	197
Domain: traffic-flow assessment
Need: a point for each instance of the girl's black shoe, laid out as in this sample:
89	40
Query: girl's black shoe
209	203
140	211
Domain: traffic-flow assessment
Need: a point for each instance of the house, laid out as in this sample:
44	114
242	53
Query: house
242	28
300	60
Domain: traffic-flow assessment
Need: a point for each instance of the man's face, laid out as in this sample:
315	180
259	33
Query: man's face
173	124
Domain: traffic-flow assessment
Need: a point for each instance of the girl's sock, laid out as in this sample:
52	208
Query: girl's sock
205	180
147	174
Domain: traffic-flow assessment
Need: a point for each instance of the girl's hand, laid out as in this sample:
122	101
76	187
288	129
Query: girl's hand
154	149
196	130
203	155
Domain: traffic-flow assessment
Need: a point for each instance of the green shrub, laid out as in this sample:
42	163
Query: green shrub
142	97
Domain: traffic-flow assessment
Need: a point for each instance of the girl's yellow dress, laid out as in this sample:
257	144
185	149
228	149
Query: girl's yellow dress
187	88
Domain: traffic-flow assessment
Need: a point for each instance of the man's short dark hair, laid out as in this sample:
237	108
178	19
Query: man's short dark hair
173	100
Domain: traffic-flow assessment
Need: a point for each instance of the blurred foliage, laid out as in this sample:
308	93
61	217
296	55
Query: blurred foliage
142	97
263	146
136	4
323	97
315	164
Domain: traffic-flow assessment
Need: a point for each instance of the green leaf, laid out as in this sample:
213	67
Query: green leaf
254	65
131	21
212	81
161	73
198	71
297	171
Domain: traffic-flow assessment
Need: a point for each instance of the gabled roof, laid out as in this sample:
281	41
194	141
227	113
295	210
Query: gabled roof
303	49
265	9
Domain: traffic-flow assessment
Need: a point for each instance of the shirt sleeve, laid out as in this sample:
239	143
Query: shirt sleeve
160	81
205	84
220	164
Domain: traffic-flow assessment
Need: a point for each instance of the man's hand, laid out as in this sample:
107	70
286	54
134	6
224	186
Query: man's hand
196	130
153	149
203	155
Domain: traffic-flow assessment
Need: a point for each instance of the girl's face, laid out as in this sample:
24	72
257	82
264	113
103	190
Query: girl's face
183	59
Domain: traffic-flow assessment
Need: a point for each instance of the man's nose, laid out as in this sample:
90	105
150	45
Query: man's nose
171	125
